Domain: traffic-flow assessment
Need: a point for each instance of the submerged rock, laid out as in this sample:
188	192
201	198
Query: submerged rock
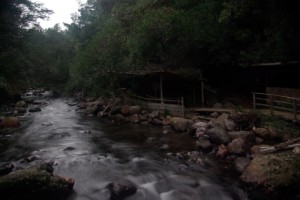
35	109
6	168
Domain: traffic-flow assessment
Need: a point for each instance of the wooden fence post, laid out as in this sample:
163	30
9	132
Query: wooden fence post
254	101
182	106
295	109
272	112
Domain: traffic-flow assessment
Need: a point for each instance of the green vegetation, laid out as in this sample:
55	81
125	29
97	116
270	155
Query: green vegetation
109	37
281	125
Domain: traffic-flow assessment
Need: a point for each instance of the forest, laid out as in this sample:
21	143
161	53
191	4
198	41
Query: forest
109	36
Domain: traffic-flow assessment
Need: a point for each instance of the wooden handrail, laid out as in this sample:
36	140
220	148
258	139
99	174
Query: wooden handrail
272	103
276	95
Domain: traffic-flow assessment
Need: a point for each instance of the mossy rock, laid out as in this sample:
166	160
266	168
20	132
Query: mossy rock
278	174
35	183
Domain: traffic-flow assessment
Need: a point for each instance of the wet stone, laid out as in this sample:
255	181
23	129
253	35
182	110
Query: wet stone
6	168
120	191
69	149
35	109
32	158
164	147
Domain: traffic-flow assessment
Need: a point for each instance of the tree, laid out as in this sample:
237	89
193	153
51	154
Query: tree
16	17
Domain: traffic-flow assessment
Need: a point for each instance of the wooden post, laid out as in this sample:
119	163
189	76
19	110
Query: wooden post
254	100
161	88
295	109
272	105
202	93
182	106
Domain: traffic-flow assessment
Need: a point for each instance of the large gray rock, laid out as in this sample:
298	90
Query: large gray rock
115	109
241	145
240	163
219	121
229	125
81	105
93	107
218	135
118	118
198	129
154	114
134	110
21	104
135	118
180	124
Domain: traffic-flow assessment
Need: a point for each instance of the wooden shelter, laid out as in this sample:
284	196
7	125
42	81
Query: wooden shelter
165	84
277	78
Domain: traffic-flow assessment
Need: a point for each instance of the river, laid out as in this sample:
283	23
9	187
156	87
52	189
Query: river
96	153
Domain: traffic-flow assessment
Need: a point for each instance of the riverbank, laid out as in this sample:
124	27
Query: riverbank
244	143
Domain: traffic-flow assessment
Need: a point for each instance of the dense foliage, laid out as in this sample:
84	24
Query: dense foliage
108	37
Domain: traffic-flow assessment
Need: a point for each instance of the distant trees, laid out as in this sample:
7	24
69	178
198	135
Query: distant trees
135	34
16	18
108	36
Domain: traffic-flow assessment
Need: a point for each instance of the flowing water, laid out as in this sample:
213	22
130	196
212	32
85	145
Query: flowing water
96	153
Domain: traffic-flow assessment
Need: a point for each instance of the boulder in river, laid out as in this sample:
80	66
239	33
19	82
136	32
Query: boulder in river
120	191
180	124
21	104
241	145
198	129
35	109
10	122
35	183
134	110
218	135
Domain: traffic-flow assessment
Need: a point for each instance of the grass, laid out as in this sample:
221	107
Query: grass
279	124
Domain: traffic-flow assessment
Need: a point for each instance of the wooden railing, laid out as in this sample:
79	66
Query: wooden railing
173	106
277	102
